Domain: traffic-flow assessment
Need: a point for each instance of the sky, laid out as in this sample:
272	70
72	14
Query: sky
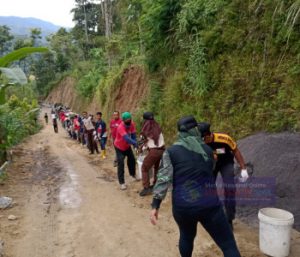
54	11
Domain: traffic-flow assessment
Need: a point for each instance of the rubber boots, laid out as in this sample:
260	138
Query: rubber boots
103	154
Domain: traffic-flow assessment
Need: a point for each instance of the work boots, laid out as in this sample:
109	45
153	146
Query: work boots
103	154
146	191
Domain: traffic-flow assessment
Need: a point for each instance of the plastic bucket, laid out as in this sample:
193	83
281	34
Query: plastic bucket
275	226
140	160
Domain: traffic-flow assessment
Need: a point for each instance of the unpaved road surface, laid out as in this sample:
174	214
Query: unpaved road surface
68	204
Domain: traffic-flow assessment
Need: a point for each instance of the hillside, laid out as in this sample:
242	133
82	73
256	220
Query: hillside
21	26
129	94
232	63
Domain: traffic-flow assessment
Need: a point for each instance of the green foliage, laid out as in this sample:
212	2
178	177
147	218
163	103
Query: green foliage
19	54
233	63
89	82
155	94
44	70
86	11
158	30
5	38
89	74
17	117
3	177
236	64
14	76
21	43
17	121
197	82
197	15
35	35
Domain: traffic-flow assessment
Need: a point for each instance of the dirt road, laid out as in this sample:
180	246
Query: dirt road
68	204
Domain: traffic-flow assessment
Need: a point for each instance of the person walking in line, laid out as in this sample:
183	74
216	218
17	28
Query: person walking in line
95	137
153	141
76	124
68	126
54	122
114	124
225	150
62	117
125	138
188	166
46	118
89	129
82	131
101	134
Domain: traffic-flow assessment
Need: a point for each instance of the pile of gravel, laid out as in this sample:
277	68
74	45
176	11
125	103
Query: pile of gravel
274	155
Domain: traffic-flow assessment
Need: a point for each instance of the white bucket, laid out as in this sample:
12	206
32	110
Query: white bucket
140	160
275	226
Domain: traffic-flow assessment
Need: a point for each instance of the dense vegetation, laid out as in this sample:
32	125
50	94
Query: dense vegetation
234	63
18	101
231	62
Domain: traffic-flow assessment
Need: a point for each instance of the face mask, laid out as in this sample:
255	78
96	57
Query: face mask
127	123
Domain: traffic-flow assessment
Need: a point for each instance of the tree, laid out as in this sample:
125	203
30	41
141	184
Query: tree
35	35
5	38
106	8
66	49
21	43
87	16
45	71
133	14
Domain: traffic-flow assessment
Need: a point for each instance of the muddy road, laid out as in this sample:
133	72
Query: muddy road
67	203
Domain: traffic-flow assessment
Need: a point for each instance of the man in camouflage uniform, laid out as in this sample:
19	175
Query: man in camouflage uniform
188	166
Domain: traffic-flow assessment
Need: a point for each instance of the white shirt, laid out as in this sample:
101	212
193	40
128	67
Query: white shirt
88	123
151	143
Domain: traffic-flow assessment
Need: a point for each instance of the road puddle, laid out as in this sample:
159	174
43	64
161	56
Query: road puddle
69	196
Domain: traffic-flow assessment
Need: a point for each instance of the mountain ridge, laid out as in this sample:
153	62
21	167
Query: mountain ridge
21	26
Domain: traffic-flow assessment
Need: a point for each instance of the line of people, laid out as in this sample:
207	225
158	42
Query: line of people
91	132
84	128
191	165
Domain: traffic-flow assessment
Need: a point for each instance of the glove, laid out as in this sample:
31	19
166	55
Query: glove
244	176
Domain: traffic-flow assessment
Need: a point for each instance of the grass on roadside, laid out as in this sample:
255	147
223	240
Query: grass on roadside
3	177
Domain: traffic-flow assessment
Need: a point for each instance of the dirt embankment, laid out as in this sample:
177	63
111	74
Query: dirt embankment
132	91
128	95
66	94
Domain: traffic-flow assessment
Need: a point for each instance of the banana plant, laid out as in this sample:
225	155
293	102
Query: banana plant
14	76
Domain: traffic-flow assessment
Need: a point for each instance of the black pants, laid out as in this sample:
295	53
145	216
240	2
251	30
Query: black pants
227	173
90	139
116	159
82	136
55	127
215	223
130	163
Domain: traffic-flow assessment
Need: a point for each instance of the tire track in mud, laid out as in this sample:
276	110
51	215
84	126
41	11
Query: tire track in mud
38	176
